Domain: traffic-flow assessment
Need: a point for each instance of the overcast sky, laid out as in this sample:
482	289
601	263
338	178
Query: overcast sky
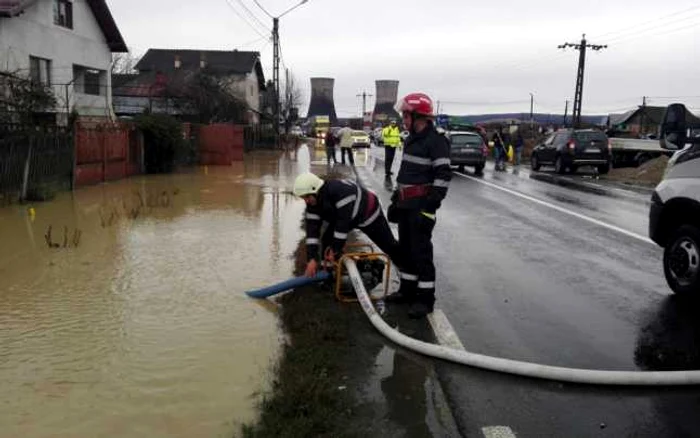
474	57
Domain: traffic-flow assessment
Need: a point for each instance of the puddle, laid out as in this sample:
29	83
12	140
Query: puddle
140	327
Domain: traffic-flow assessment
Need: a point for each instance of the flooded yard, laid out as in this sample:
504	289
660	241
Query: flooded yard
129	318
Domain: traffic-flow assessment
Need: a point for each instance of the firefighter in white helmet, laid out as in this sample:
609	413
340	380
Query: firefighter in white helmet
345	206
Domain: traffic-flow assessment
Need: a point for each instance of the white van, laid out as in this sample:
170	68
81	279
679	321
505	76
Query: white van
674	218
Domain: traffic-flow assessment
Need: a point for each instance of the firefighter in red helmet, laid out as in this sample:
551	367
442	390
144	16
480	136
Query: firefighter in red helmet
422	184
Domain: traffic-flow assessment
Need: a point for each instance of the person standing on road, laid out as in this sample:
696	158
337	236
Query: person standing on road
423	180
346	141
392	140
499	151
345	206
330	147
517	152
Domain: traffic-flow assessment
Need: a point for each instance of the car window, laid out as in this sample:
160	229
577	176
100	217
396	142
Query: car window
549	140
466	140
590	136
562	137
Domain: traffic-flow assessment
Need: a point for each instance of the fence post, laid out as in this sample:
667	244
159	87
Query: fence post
74	137
25	177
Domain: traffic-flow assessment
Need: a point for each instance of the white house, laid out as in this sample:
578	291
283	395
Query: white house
242	70
65	44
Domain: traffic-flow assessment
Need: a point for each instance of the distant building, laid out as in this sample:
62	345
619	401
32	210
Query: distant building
159	68
643	121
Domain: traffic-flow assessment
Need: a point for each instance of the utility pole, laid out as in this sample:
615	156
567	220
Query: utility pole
642	121
532	108
566	112
276	76
364	97
578	98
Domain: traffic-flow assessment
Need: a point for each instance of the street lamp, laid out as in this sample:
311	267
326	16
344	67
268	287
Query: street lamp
276	60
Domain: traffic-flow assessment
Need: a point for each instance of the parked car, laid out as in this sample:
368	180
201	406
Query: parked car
569	149
360	139
674	216
467	149
296	131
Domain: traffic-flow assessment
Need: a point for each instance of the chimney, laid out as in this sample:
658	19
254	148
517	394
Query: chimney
178	62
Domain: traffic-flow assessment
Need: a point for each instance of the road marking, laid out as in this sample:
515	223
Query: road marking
560	209
498	432
443	330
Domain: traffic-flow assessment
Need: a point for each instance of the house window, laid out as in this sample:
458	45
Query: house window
40	70
63	13
92	82
88	80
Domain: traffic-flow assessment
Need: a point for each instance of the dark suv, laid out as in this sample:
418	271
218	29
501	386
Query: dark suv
467	149
569	149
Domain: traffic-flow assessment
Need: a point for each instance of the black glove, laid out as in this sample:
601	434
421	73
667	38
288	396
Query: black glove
431	206
395	197
426	224
392	213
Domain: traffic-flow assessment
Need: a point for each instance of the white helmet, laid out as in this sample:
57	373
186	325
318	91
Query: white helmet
307	184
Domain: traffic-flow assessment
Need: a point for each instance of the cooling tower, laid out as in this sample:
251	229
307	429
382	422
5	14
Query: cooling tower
322	103
387	94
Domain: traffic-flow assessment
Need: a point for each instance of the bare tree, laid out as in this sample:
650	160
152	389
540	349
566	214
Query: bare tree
211	98
22	99
124	63
291	102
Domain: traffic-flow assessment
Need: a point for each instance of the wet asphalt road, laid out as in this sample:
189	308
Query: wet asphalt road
569	281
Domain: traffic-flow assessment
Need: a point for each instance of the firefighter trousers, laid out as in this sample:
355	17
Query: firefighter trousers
415	243
389	153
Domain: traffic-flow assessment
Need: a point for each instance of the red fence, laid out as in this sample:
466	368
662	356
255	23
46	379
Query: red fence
105	153
220	144
112	152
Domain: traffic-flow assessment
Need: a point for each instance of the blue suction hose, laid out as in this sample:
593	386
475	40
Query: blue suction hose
293	283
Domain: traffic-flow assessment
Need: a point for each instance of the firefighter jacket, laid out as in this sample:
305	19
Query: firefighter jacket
345	206
425	164
391	136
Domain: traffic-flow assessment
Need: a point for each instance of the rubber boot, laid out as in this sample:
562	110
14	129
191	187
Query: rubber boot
419	310
405	295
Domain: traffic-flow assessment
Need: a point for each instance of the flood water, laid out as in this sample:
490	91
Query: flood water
135	323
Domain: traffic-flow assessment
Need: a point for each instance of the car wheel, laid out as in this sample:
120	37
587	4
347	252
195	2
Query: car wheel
479	169
682	261
535	163
604	169
559	166
460	167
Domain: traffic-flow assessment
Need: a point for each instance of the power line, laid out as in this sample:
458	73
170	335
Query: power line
255	41
230	5
648	22
670	31
253	16
263	9
644	31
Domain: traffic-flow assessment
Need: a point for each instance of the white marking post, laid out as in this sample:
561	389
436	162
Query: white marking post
498	432
443	330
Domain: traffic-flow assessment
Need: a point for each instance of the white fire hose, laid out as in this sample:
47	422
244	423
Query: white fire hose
526	369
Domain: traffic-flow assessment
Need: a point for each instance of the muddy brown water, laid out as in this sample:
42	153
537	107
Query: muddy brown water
139	326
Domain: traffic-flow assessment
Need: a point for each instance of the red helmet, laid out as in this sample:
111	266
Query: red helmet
418	103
